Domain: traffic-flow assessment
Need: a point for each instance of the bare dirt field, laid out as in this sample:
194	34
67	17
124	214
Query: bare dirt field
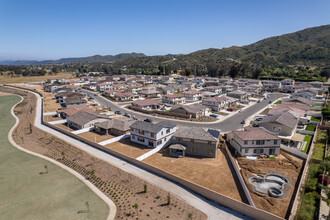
126	147
124	189
285	165
26	79
3	94
212	173
48	118
65	127
95	137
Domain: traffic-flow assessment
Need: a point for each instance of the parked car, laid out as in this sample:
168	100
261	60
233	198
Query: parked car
259	119
134	117
243	122
259	100
255	125
127	115
148	120
118	112
269	102
230	109
214	115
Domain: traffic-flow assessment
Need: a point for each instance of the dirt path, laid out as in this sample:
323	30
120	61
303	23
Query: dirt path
124	189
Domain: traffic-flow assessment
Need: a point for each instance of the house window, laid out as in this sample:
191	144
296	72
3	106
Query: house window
162	133
192	149
260	142
210	152
252	142
275	141
141	132
164	139
209	143
258	151
159	142
245	142
141	139
152	134
192	140
246	151
168	131
133	136
274	128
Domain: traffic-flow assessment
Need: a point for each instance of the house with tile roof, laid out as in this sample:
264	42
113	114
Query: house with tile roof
216	103
118	126
173	99
283	124
192	95
253	141
84	119
196	141
147	104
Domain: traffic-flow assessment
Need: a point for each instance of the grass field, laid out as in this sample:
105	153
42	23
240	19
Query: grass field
5	79
28	192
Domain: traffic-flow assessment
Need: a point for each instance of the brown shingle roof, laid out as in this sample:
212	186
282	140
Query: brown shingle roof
146	102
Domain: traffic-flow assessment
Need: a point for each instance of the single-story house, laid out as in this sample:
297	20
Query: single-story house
147	104
84	119
193	111
117	126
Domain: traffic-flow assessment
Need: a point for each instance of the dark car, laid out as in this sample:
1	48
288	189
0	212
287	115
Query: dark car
118	112
147	120
255	125
243	122
269	102
230	109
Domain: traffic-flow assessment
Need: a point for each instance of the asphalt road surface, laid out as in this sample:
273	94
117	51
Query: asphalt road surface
231	123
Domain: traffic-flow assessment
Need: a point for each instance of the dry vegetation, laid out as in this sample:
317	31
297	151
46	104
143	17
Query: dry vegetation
126	190
7	79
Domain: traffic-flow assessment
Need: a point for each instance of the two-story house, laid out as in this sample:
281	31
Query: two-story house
152	135
173	99
216	103
195	141
192	95
254	141
215	89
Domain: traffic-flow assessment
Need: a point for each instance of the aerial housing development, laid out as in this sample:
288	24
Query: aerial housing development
176	132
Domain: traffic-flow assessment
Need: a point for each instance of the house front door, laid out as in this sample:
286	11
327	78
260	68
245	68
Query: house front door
271	151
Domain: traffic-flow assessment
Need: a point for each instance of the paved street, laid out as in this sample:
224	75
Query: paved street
231	123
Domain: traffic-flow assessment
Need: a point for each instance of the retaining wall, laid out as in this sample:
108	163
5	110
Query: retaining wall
294	152
239	176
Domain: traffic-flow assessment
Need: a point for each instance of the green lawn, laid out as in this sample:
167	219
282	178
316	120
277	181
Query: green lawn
315	119
308	140
318	152
310	127
310	198
278	102
27	194
316	106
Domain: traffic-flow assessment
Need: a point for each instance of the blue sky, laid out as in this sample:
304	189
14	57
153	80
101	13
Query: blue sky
52	29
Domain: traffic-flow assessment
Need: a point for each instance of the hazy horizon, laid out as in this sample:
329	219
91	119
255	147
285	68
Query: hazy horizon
50	30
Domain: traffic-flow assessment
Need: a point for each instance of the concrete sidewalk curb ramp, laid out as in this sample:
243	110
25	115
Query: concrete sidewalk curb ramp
109	202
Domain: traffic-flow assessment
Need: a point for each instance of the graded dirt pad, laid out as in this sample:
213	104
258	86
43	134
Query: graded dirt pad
123	188
26	79
95	137
286	165
125	146
29	192
48	118
3	94
212	173
65	127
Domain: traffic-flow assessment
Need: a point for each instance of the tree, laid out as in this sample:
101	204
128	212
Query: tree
326	112
168	199
145	186
136	206
187	71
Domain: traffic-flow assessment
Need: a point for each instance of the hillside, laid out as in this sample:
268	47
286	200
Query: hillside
307	47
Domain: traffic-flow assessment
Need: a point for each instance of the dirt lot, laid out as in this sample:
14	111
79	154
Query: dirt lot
285	165
25	79
65	127
212	173
3	94
48	118
126	146
123	188
95	137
